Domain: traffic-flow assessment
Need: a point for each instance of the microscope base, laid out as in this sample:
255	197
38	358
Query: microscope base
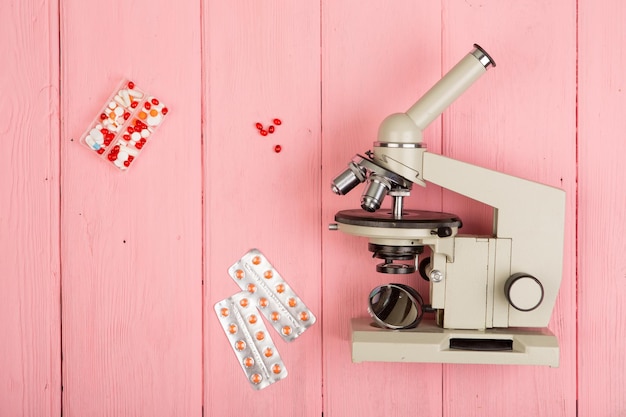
430	343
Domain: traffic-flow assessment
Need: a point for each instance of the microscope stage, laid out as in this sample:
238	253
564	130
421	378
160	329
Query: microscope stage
411	219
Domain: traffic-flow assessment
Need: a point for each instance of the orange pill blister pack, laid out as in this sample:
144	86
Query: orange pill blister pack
250	341
124	125
264	292
274	298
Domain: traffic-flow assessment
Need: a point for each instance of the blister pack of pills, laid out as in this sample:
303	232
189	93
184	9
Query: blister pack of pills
264	291
124	125
250	341
275	299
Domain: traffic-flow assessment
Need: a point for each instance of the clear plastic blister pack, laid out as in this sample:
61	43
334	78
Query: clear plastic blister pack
124	125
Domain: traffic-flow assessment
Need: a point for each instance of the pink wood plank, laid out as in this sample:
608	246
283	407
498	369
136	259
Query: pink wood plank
30	345
131	246
132	310
262	62
518	119
378	58
601	203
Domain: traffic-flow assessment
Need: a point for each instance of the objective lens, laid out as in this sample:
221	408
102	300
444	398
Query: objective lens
396	306
348	179
375	193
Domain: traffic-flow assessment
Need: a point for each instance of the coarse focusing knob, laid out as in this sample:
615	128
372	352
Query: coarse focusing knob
523	291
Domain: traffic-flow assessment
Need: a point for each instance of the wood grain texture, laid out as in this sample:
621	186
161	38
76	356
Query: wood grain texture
30	360
378	58
131	246
601	204
262	62
125	253
520	118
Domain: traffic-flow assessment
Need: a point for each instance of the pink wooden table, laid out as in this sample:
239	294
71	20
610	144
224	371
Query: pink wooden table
108	279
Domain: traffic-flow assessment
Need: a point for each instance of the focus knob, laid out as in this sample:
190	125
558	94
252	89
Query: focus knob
524	292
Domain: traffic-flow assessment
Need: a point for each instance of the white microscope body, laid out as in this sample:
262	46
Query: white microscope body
501	287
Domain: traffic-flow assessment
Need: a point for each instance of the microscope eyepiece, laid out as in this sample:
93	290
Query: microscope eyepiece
482	56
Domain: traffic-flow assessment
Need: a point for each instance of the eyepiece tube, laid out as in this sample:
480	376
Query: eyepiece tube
450	87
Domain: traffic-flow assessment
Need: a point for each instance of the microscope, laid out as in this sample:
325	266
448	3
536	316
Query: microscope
490	297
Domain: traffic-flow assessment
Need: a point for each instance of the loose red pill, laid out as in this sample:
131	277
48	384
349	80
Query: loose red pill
126	115
131	85
147	105
164	110
263	132
270	129
103	116
134	104
278	148
155	101
277	122
100	151
259	126
126	163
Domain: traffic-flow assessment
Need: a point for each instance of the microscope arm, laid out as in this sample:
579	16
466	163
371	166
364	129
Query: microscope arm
532	215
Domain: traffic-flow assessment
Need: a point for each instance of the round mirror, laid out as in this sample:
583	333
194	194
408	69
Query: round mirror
395	306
